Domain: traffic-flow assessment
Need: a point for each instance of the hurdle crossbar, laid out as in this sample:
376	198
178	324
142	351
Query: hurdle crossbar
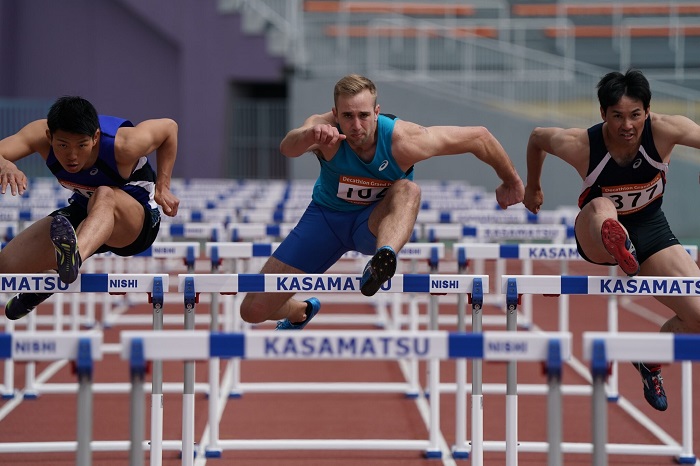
428	345
82	348
601	348
658	347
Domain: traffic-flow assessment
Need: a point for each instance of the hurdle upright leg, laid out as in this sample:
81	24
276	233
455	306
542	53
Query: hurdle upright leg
9	384
434	388
213	450
188	386
512	383
83	368
157	383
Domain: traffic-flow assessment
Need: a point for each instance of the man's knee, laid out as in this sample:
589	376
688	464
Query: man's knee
407	191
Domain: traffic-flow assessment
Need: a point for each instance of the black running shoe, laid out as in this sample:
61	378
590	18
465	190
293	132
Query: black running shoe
65	242
22	304
380	268
653	385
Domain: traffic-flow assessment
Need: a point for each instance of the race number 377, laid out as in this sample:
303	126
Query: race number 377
633	197
358	190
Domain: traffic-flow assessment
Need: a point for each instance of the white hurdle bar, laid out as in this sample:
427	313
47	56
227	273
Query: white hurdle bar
81	347
602	348
516	285
193	284
139	347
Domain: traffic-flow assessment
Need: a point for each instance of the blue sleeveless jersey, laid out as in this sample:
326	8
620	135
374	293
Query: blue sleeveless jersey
140	185
347	183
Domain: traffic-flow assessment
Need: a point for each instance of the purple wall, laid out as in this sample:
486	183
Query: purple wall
136	59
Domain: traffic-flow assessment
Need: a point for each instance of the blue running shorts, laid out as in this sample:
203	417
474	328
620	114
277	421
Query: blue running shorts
323	235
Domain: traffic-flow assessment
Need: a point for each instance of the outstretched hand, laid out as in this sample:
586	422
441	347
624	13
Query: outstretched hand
13	177
510	194
326	135
534	197
167	200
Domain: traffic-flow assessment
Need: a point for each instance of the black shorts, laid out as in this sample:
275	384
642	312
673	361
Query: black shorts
76	213
649	235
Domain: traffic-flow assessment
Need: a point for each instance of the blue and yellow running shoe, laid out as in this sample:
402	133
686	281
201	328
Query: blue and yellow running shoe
65	242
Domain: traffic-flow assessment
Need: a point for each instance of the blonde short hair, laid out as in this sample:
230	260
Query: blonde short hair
353	84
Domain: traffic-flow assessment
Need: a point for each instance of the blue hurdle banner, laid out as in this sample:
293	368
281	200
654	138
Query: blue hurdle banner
91	282
376	345
248	250
634	346
172	250
601	285
324	283
47	346
498	232
517	251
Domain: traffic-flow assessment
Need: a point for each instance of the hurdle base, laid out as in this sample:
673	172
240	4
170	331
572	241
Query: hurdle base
213	452
8	395
459	454
411	395
30	395
235	395
613	398
686	459
432	454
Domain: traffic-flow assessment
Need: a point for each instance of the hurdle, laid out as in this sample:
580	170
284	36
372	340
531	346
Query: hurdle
427	345
516	285
193	284
86	283
82	348
602	348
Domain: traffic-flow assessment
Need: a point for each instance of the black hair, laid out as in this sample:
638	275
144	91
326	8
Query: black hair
613	86
73	114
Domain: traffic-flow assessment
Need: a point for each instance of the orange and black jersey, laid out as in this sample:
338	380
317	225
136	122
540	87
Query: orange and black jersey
634	189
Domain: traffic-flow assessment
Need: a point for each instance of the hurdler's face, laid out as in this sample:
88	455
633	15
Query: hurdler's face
625	120
74	151
357	117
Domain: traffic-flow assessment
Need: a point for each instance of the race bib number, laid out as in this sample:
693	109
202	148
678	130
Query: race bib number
358	190
630	198
85	191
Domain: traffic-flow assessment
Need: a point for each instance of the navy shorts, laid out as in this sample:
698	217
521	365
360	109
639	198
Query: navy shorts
323	235
76	213
649	234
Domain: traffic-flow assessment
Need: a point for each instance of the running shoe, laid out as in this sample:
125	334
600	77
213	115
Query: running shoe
65	242
380	268
653	385
22	304
619	246
312	303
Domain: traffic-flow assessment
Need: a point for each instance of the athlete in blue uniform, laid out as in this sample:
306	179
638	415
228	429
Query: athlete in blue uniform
623	163
364	198
116	193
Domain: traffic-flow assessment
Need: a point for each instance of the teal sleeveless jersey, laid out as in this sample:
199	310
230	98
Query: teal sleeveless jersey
347	183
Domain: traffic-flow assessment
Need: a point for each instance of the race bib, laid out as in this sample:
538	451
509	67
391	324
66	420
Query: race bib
358	190
630	198
85	191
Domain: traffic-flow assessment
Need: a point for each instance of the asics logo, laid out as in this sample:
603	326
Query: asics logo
637	163
383	165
